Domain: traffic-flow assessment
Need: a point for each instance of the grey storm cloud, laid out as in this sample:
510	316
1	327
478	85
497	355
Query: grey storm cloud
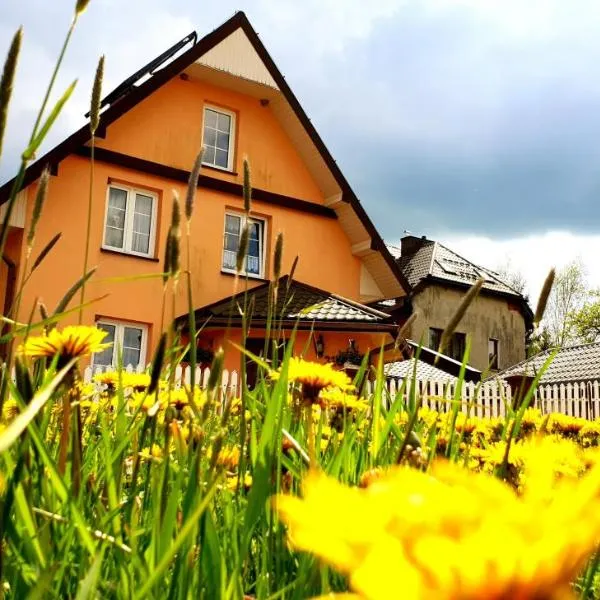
442	118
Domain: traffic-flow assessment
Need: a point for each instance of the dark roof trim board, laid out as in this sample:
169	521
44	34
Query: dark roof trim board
204	181
137	94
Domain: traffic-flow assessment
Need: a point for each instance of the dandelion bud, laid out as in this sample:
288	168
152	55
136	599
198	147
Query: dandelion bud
38	205
216	450
168	257
216	370
172	251
80	6
193	185
43	311
157	364
96	96
277	255
293	270
544	295
175	253
8	76
467	300
175	212
247	191
243	249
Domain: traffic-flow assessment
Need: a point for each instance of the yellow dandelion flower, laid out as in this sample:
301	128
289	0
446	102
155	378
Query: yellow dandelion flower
10	410
229	457
338	399
137	381
72	342
313	377
232	480
154	453
449	534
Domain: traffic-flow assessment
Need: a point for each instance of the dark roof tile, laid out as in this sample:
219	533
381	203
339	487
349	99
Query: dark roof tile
573	363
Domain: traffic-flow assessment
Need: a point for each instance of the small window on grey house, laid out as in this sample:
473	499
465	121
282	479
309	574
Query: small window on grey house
457	346
435	337
493	354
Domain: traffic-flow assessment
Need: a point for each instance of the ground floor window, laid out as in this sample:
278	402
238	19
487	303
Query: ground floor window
128	339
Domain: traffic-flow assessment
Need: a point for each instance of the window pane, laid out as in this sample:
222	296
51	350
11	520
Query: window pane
105	357
209	155
132	346
142	222
222	141
210	118
253	265
115	218
143	204
254	258
224	123
233	224
231	240
434	338
221	158
210	137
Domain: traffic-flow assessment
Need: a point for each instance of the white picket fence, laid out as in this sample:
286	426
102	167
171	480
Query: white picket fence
491	398
183	375
488	399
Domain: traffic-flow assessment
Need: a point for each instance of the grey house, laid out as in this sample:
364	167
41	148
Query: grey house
498	322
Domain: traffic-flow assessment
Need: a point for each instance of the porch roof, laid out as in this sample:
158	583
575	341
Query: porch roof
297	304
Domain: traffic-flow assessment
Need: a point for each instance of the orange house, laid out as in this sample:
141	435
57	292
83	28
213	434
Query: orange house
224	93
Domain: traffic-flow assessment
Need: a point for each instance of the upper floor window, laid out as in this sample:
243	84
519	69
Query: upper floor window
217	138
493	354
130	339
255	257
435	337
130	220
457	346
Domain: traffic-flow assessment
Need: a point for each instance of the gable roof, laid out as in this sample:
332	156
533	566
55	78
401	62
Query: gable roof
573	363
211	52
297	302
437	260
405	369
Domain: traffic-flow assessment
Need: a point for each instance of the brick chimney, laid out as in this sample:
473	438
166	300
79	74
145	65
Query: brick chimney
409	244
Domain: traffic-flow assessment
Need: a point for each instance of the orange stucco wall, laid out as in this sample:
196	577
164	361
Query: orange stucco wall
334	342
166	128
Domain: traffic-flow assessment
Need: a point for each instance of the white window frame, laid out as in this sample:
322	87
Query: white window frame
129	214
118	343
232	115
263	243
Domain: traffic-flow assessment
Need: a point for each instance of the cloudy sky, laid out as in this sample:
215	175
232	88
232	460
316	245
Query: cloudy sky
475	122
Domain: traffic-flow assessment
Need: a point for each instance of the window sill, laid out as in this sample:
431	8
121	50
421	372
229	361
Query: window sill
220	169
128	254
243	276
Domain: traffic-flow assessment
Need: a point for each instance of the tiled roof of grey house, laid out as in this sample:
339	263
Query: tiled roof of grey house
425	372
574	363
296	301
435	259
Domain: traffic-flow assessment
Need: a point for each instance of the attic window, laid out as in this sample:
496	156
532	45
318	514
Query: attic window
217	138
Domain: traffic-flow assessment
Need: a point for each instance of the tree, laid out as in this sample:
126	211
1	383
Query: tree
567	297
586	320
512	277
